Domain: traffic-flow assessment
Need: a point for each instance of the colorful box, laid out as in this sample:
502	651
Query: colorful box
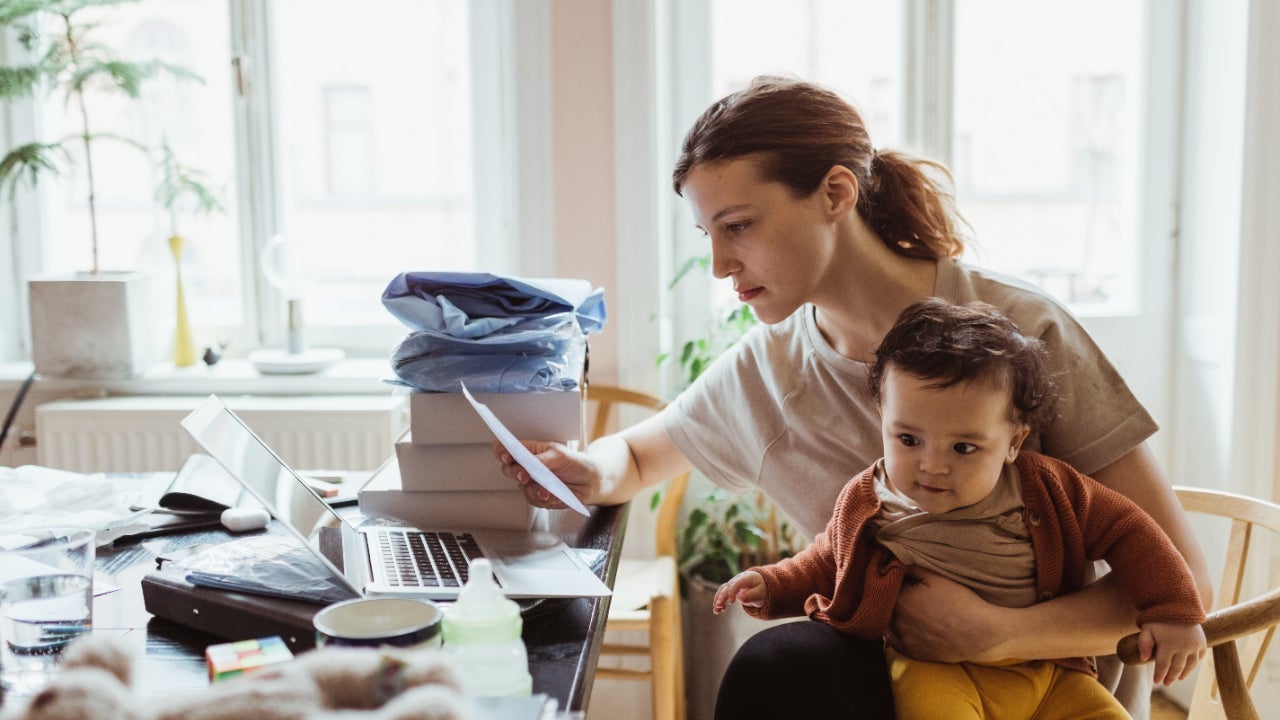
227	660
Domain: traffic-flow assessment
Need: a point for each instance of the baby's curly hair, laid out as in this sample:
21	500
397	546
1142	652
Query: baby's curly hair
938	340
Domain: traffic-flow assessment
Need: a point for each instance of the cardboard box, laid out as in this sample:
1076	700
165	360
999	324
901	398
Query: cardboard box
488	509
448	419
450	468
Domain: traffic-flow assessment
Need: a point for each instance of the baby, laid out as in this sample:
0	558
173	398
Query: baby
959	388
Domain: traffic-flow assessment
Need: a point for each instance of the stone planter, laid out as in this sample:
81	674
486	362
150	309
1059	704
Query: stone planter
93	326
710	642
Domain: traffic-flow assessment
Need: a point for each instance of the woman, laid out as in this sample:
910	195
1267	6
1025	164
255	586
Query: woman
828	241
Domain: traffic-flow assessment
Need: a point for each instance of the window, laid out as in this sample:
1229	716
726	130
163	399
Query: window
193	118
1048	123
354	133
348	141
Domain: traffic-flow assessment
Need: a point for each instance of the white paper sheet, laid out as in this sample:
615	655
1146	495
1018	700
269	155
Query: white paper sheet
527	460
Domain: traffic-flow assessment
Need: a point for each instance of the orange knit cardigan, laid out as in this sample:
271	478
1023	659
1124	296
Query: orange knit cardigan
847	580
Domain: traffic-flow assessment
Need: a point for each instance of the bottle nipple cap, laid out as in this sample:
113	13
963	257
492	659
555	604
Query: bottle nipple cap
482	614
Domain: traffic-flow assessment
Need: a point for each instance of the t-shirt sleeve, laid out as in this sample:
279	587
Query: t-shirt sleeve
1096	419
724	421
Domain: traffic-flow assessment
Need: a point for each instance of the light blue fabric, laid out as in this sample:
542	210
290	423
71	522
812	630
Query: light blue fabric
495	334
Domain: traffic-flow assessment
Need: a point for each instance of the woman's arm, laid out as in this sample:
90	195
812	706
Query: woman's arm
1093	620
614	469
1138	476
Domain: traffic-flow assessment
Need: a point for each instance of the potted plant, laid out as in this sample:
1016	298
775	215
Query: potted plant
721	535
92	324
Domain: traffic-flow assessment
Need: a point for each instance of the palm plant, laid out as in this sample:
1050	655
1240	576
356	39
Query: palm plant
67	59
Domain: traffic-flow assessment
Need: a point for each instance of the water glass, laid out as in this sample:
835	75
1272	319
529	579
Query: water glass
46	601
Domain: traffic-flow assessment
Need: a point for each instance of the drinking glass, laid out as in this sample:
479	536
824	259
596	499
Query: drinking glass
46	601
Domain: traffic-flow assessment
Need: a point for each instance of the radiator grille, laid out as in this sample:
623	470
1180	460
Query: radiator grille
141	434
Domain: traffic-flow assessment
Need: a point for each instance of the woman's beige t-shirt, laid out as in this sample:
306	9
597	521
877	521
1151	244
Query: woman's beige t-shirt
786	413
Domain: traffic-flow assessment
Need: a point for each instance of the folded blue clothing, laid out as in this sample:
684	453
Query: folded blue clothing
539	354
494	333
475	304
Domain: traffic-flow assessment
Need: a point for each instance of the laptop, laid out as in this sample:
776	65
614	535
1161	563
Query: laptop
376	558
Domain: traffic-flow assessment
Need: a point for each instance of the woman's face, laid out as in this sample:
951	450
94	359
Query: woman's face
774	246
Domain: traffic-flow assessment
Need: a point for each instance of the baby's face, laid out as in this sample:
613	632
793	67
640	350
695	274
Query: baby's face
945	447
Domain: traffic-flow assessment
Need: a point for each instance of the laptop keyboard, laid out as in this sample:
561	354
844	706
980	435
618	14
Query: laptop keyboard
412	558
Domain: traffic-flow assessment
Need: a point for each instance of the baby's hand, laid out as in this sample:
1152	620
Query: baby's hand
1178	647
746	587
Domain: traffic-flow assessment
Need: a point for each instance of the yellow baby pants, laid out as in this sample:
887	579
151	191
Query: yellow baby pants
1035	690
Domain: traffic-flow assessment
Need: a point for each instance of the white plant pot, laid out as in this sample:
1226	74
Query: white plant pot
710	642
93	326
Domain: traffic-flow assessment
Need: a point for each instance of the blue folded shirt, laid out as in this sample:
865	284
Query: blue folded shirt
496	334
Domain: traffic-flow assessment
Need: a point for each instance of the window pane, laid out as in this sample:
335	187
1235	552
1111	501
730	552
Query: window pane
193	117
1046	143
375	124
852	46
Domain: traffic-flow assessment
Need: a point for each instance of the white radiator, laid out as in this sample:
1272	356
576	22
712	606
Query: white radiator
141	433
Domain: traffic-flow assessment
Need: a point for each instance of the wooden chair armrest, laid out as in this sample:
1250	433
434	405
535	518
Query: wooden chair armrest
1223	626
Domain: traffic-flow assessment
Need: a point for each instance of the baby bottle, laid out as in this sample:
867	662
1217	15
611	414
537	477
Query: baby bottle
482	632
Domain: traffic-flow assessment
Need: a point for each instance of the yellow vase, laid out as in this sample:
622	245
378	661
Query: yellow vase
184	346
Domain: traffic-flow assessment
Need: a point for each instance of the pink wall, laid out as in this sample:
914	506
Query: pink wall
582	133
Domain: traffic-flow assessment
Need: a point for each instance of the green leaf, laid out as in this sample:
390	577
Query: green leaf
697	518
120	75
655	500
687	352
699	261
20	81
12	10
69	8
29	160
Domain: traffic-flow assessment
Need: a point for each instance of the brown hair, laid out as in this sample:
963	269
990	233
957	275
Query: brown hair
937	340
800	131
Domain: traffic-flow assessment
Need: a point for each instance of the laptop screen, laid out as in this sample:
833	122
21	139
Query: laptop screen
273	483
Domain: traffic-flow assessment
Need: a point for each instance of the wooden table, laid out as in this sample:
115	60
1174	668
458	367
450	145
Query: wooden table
563	637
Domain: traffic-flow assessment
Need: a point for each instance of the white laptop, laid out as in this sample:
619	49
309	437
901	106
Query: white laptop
388	559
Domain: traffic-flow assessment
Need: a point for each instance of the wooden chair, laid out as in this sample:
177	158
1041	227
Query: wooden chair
646	593
1239	629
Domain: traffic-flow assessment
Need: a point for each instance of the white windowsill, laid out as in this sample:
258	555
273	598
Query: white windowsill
353	376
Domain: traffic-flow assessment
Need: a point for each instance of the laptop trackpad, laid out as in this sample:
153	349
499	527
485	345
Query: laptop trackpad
529	551
542	560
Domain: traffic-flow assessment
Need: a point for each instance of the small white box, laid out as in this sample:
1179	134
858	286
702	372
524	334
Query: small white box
451	468
383	495
448	419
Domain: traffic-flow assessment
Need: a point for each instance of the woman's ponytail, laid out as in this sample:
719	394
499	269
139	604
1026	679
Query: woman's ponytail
909	203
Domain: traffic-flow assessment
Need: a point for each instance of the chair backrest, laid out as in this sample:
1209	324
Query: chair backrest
603	401
1241	626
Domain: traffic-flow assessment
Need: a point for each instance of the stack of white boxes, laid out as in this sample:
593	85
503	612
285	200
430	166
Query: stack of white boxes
445	474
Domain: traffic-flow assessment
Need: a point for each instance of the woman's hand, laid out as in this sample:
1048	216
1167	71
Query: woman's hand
940	620
576	470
